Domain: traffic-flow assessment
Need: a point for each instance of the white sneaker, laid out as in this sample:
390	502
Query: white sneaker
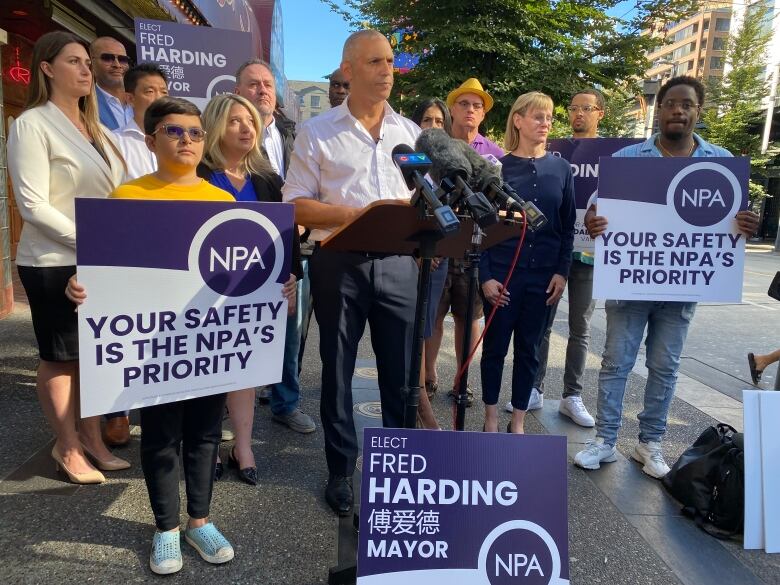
651	455
573	407
536	402
595	453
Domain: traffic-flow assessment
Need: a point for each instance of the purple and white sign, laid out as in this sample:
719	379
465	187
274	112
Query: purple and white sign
184	299
445	507
672	233
200	61
583	155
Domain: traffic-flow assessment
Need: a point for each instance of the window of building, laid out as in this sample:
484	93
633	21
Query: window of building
703	44
681	52
315	101
706	25
718	43
301	101
716	62
722	24
690	65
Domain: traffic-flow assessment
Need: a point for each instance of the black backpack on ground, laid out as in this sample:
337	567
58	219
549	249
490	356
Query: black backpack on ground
709	481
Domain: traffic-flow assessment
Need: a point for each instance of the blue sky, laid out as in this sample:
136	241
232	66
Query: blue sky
313	37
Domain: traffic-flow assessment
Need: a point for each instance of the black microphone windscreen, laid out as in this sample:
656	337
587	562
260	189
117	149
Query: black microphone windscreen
483	172
444	154
402	149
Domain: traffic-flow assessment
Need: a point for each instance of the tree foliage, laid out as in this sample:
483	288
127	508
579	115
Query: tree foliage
514	46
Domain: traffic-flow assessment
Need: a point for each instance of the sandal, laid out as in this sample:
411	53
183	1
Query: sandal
755	373
431	388
469	395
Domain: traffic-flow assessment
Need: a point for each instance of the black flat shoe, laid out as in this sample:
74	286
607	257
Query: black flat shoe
339	495
219	470
247	474
755	373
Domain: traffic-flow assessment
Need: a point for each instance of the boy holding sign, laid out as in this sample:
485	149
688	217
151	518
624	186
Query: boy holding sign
175	135
667	322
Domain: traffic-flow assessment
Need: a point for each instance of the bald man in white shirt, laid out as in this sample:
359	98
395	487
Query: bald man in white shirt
342	161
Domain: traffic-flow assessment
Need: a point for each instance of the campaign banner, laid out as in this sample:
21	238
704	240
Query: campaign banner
184	299
672	233
583	154
447	507
200	61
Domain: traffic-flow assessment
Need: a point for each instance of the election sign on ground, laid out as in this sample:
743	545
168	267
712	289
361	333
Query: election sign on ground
198	61
583	155
439	508
672	233
184	299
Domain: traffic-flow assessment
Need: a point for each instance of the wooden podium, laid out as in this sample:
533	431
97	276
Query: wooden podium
394	227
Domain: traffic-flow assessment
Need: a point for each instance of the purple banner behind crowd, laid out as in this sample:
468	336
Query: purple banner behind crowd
200	61
449	507
583	155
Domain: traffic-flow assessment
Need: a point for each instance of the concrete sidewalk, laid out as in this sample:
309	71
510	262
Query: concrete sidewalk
623	527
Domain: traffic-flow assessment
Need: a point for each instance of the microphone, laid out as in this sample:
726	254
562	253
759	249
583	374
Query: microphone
413	165
448	162
487	175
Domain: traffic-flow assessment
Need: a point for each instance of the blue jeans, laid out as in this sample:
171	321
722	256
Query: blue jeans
667	326
285	394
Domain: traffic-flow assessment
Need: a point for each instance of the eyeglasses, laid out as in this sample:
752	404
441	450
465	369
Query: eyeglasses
338	84
465	104
586	109
111	57
671	104
176	132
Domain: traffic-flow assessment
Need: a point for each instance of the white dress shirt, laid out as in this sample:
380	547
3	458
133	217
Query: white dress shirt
274	146
122	112
132	144
336	161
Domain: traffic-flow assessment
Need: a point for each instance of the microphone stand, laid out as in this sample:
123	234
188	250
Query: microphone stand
472	270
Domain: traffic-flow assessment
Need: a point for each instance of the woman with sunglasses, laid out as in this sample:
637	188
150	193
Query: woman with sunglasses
57	150
233	161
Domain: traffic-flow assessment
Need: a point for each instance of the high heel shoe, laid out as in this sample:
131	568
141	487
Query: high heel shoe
113	464
93	476
247	474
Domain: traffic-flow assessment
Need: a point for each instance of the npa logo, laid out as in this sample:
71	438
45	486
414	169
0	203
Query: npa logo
520	551
236	252
705	193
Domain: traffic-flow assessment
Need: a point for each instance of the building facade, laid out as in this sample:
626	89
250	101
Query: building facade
312	98
694	46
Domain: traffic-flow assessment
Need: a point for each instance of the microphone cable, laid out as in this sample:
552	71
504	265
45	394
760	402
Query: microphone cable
489	320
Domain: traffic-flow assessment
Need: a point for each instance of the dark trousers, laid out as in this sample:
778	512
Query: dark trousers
194	428
524	318
350	290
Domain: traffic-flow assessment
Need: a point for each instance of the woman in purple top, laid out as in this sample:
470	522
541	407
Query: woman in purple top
233	161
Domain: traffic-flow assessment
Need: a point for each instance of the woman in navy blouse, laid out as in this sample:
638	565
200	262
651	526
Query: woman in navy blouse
543	267
233	161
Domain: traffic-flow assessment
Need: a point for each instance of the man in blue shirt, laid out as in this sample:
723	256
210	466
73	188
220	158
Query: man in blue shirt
680	101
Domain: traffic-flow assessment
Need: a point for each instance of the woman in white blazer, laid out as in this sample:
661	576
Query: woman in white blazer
57	150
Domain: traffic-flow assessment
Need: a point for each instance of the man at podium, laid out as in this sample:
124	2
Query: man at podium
342	161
